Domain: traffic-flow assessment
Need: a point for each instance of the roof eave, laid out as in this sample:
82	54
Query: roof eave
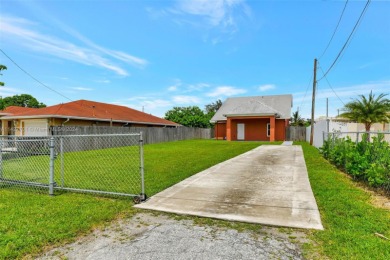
255	114
88	118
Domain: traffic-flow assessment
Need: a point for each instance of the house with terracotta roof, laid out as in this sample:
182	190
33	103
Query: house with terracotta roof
37	121
257	118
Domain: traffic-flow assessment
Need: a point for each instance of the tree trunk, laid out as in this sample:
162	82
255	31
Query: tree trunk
368	128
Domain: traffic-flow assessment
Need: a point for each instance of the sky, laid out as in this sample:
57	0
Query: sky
156	55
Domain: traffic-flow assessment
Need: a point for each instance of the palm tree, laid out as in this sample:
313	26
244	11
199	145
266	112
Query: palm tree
2	67
297	120
368	110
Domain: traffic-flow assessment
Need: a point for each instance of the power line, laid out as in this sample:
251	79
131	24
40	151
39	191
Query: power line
337	26
347	41
34	78
331	86
304	97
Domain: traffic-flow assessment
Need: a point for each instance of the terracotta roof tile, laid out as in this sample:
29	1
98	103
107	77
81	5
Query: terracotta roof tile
16	110
93	110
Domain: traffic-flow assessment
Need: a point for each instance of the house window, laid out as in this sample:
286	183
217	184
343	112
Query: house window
268	130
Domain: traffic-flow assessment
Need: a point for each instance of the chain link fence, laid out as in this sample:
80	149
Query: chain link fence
101	164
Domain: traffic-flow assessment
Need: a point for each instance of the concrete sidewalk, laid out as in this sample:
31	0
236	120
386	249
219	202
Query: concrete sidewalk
267	185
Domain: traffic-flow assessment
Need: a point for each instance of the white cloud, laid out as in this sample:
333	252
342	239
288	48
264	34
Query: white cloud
158	103
18	32
82	88
8	91
266	87
226	91
186	99
105	81
150	105
176	85
346	94
216	20
216	12
146	102
197	87
172	88
138	98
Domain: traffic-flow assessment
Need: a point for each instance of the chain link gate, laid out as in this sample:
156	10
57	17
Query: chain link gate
101	164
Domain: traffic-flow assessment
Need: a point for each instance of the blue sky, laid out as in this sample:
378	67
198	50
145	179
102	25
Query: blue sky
159	54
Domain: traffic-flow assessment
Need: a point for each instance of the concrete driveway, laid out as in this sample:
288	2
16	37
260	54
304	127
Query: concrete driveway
267	185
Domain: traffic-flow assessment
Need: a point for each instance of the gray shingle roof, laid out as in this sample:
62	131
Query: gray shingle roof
255	106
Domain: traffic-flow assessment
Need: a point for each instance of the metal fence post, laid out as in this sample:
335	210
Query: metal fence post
51	177
1	158
141	157
323	137
62	160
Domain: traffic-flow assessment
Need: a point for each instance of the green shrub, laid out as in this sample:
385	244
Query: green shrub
365	160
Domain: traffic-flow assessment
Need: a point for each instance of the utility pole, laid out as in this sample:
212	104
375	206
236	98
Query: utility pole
327	116
313	102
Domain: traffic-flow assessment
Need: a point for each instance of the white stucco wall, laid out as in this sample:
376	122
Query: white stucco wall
334	126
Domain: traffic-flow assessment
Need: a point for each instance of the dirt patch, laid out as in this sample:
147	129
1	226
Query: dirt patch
379	198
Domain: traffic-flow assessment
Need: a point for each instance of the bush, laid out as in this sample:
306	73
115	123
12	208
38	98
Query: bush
365	160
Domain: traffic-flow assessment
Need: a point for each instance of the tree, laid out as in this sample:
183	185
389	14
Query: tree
2	67
191	116
23	100
368	110
297	120
213	107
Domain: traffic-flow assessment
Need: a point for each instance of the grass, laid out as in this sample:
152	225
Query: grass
112	169
349	219
30	221
167	164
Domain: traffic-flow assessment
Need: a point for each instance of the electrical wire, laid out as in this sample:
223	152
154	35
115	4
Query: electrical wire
337	26
348	39
304	97
34	78
331	86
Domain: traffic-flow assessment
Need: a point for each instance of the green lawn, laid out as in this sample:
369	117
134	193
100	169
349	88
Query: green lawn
29	220
350	221
111	169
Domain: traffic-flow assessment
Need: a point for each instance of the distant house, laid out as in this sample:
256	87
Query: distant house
259	118
37	121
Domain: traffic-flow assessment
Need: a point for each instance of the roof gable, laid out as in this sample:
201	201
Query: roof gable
91	110
279	105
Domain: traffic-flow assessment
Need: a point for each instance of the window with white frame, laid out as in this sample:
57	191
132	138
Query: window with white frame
268	130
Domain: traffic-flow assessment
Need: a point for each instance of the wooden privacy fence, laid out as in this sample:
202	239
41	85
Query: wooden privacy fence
151	135
296	133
